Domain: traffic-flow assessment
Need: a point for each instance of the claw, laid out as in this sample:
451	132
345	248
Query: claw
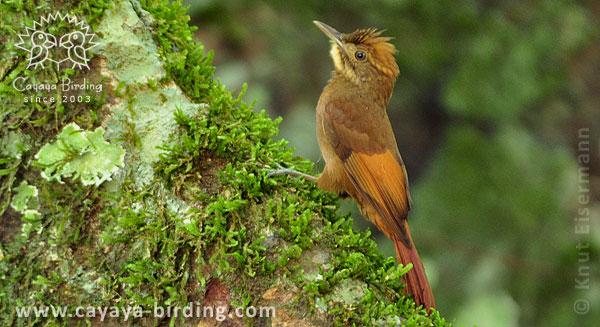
280	171
287	171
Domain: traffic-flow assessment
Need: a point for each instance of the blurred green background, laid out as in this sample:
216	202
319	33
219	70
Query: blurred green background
487	112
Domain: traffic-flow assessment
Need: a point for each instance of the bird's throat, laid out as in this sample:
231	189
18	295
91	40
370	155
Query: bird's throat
336	55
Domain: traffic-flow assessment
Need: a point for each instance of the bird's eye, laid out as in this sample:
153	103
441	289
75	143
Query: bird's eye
360	55
41	36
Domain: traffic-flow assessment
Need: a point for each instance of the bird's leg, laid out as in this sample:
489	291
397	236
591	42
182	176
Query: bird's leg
287	171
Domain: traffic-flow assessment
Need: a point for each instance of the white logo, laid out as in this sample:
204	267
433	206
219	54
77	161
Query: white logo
59	39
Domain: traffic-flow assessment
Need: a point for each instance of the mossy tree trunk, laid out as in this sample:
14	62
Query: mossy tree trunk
145	187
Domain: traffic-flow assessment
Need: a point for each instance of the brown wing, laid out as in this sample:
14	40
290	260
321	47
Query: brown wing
371	159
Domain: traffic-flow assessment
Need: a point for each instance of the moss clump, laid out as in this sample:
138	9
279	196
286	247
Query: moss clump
196	208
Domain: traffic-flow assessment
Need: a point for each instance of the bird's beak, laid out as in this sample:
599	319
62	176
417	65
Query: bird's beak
331	33
65	41
50	41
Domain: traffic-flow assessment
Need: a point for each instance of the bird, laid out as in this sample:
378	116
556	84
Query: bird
358	145
42	43
74	43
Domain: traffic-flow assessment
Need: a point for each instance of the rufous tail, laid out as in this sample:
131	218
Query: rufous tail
416	280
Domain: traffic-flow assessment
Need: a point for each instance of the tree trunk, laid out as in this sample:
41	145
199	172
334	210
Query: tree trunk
132	182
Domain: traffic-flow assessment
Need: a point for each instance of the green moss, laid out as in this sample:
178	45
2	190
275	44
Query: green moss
303	215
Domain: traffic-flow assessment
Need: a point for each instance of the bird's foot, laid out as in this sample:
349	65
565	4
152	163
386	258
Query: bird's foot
290	172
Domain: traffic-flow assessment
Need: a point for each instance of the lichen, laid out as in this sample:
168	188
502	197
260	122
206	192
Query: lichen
127	45
349	292
14	144
25	198
79	154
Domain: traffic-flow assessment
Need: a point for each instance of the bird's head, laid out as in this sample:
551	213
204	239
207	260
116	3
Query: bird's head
72	39
46	40
77	38
363	55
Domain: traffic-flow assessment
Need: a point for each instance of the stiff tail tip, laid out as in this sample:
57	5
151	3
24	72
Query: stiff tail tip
415	279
